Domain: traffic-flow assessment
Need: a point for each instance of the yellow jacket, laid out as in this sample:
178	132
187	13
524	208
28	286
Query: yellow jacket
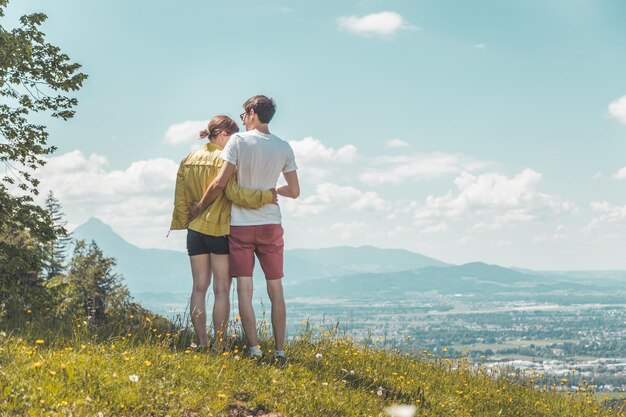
195	173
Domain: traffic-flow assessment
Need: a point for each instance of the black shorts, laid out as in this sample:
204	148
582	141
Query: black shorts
200	244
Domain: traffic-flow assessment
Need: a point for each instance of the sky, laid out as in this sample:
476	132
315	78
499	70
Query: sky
491	130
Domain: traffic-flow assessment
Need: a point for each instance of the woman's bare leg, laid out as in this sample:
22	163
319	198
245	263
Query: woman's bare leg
201	272
221	288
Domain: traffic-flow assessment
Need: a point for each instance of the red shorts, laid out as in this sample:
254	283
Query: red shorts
266	240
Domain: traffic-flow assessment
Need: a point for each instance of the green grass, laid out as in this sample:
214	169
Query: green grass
154	374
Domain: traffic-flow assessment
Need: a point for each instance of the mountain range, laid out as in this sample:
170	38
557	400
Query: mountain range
350	272
159	270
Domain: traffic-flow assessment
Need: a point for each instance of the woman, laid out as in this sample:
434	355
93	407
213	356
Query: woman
207	234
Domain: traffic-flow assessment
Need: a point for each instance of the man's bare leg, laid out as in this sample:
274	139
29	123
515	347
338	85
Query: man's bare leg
221	289
201	272
248	320
279	312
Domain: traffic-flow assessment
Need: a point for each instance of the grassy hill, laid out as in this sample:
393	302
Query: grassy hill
150	373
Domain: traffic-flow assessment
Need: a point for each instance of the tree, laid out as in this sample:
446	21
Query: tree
21	262
35	78
91	291
91	274
57	249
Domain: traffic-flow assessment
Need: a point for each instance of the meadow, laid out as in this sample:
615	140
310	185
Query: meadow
152	369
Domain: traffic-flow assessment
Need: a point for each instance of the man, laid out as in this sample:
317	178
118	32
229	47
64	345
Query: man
258	157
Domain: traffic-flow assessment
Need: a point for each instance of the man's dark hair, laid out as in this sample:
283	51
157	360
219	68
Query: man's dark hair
263	106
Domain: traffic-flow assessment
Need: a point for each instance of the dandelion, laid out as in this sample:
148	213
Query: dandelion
134	378
147	363
3	334
40	341
222	396
319	356
379	392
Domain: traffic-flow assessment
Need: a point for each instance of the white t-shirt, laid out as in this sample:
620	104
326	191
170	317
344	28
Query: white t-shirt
260	158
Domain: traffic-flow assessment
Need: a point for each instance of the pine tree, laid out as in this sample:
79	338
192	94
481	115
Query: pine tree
57	249
96	285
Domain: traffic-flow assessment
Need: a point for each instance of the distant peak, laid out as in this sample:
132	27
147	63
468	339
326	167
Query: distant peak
94	224
94	221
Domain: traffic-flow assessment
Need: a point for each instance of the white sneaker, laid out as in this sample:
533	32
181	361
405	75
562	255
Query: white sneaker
256	352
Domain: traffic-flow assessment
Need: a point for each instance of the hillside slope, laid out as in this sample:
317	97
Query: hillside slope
325	376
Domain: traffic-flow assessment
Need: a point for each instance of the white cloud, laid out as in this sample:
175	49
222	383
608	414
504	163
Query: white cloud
383	24
606	214
617	109
350	230
480	45
185	132
559	235
621	174
316	161
143	219
398	169
331	197
437	228
312	149
507	200
78	177
397	143
136	200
